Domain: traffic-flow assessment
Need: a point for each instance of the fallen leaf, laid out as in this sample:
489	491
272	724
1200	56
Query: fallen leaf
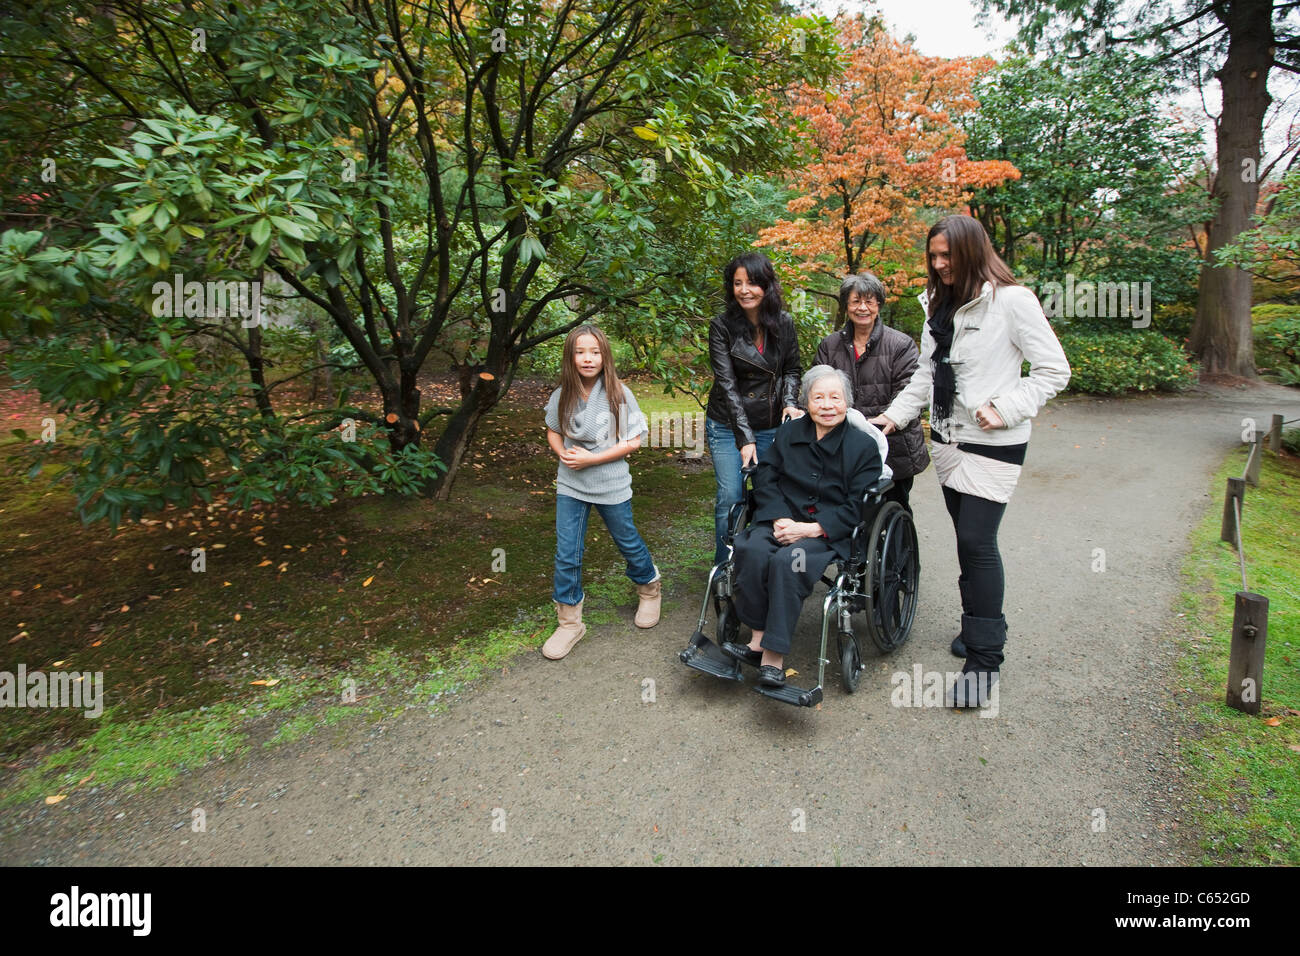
1295	747
266	683
366	582
56	799
791	672
18	637
210	640
125	608
237	617
264	564
1272	721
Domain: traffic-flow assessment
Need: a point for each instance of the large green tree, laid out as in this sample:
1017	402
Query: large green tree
1241	43
1104	171
495	172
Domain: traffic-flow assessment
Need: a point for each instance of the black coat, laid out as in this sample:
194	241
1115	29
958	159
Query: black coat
830	476
750	388
884	369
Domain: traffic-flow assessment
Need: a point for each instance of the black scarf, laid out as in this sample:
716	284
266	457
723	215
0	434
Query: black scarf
945	381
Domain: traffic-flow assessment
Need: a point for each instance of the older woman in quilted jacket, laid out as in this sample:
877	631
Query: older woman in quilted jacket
879	361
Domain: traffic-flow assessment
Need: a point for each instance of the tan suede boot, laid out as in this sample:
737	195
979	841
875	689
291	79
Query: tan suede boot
647	609
568	633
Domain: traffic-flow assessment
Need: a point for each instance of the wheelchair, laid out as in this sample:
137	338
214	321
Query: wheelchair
876	588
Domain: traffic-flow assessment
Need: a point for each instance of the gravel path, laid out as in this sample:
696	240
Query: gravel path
565	763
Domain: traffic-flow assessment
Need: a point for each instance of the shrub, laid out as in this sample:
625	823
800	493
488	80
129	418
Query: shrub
906	315
1277	342
1174	321
1266	313
1116	362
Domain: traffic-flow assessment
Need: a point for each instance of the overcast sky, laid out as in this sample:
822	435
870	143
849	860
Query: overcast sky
941	27
947	28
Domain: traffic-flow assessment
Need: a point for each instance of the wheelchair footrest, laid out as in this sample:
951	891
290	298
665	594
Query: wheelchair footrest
790	694
703	655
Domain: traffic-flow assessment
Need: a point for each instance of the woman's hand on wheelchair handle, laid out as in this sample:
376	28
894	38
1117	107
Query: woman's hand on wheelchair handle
748	455
791	412
886	425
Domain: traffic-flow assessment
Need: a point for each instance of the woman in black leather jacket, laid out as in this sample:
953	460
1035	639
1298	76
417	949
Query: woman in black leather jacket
755	359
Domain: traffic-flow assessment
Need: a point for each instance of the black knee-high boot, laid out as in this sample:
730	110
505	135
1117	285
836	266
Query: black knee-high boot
958	645
984	637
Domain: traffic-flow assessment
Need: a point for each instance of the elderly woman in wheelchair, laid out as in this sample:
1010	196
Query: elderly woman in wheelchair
816	499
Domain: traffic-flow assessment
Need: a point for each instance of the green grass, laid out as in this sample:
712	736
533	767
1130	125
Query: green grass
1247	772
435	617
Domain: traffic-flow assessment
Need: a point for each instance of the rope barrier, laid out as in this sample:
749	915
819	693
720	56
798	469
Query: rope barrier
1241	550
1254	450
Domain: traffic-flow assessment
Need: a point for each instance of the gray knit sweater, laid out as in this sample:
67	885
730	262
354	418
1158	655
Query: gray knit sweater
610	483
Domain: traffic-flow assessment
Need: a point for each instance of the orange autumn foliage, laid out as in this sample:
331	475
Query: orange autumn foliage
885	153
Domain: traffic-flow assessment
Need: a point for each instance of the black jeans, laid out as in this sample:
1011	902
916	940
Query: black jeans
772	581
900	492
976	521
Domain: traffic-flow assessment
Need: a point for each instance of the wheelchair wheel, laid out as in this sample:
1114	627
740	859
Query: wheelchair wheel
850	664
728	621
893	577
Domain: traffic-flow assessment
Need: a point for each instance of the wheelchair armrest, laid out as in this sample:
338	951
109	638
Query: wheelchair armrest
877	489
871	500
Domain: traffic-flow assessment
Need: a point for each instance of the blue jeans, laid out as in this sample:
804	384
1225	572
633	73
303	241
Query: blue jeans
726	468
570	538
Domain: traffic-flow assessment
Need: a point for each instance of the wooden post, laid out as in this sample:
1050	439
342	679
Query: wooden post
1275	435
1236	492
1256	453
1246	657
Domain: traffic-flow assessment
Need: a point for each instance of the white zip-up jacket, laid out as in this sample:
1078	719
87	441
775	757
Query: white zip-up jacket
993	336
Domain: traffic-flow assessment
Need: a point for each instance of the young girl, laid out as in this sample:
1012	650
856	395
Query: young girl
592	424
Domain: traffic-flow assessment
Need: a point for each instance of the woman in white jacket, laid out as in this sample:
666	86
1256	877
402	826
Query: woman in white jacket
982	327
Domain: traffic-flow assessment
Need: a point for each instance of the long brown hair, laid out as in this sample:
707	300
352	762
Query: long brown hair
973	259
571	381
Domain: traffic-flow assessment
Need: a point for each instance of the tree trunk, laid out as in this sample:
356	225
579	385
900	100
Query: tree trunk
455	439
1221	335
